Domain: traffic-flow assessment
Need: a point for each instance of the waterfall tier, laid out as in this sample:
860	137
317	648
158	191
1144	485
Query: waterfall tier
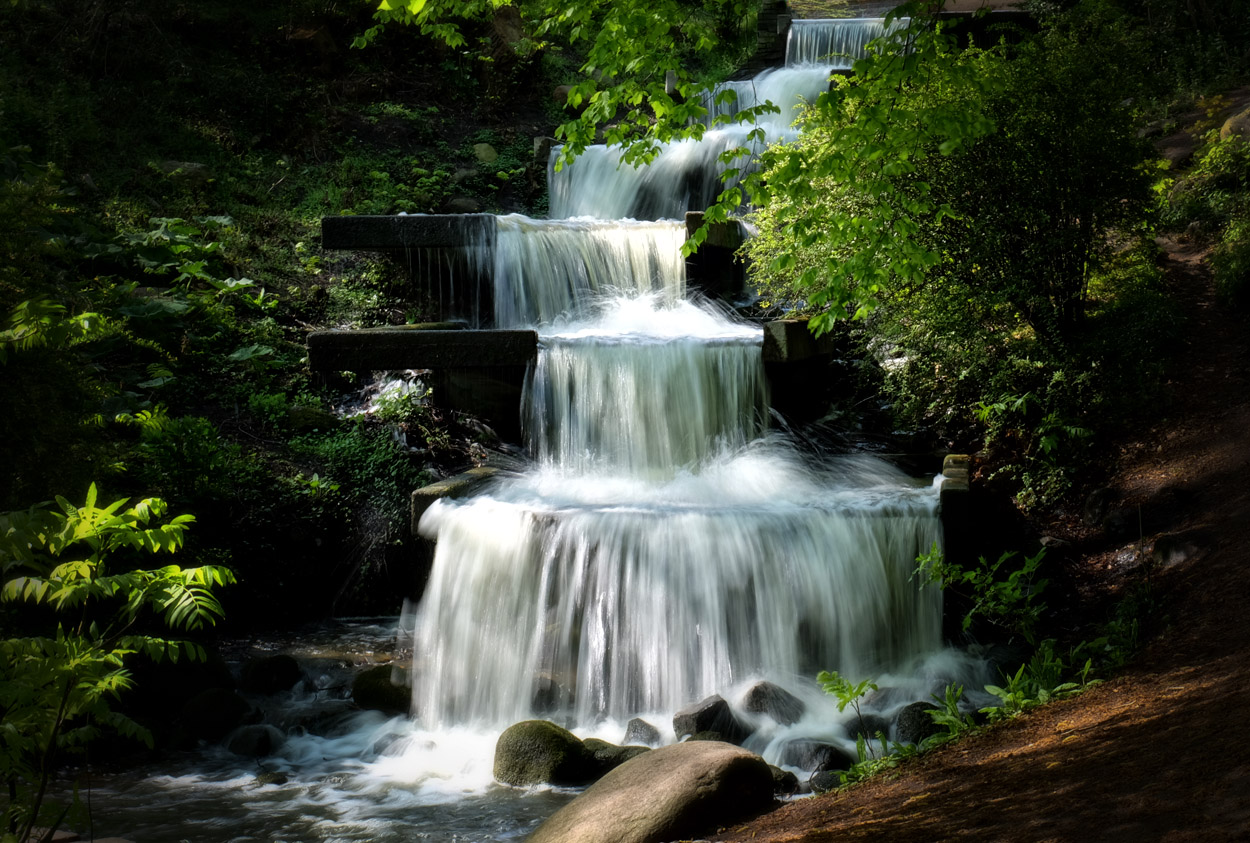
645	390
834	43
604	596
544	269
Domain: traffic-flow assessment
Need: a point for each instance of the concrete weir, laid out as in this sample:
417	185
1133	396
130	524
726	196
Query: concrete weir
455	276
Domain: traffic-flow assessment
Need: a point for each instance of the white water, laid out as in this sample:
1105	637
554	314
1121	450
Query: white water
684	175
545	269
833	42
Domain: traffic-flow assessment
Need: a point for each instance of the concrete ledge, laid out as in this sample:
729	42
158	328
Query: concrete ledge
418	347
459	486
380	233
790	341
954	507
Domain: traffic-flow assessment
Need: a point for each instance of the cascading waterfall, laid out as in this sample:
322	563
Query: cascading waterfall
833	42
544	269
664	546
661	546
684	176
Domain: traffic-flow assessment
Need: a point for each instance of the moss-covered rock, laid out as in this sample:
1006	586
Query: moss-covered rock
376	689
540	752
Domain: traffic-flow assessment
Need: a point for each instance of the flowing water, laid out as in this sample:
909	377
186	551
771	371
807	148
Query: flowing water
662	545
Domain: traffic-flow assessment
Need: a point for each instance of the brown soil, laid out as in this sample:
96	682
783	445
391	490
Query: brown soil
1157	753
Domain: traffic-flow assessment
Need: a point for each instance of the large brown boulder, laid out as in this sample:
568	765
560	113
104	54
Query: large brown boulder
674	792
1238	124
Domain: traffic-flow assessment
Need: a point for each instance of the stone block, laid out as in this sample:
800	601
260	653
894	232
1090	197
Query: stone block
459	486
791	341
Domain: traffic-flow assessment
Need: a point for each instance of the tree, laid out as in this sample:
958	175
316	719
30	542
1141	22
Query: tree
56	687
643	59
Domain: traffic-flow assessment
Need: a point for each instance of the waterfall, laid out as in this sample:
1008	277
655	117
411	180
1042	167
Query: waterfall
610	598
684	176
664	546
601	394
542	269
661	544
834	42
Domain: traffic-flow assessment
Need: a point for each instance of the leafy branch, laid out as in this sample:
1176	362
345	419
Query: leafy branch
56	689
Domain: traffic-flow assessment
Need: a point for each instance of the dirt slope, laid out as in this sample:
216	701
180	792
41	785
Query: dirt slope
1159	752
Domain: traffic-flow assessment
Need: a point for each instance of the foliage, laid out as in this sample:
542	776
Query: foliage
961	202
1002	592
1037	682
70	567
949	716
1213	199
641	68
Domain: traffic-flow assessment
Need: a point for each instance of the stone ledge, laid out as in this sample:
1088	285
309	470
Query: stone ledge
460	486
790	340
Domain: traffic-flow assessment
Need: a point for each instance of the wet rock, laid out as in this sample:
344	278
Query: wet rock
775	701
825	781
914	724
709	735
639	731
255	741
188	173
270	675
785	783
305	418
1175	548
609	756
711	715
815	756
376	689
540	752
211	715
274	777
867	726
547	695
676	792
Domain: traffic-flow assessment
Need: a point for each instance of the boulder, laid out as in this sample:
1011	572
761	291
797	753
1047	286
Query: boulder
867	726
775	701
711	715
375	689
485	153
785	783
1238	124
824	781
609	756
639	731
816	756
914	724
255	741
211	715
461	205
270	675
540	752
681	791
